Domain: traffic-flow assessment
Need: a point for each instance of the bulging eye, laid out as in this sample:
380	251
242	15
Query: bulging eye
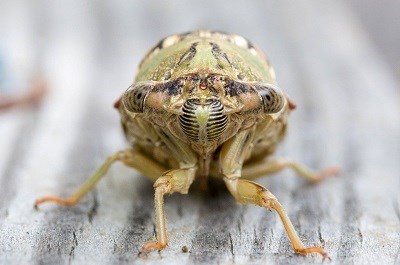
272	97
258	97
135	96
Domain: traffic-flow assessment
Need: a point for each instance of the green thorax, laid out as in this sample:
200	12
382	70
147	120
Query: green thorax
205	53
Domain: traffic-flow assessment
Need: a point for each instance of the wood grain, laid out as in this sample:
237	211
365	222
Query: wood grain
348	115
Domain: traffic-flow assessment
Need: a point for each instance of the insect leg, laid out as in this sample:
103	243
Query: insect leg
246	191
177	180
232	156
263	168
129	157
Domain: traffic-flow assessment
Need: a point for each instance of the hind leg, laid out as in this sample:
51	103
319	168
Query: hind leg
262	168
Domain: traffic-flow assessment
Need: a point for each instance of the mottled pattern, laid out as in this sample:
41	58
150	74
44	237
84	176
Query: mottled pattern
170	55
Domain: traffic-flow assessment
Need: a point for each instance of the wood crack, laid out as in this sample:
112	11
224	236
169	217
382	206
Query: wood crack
231	247
321	239
74	245
93	210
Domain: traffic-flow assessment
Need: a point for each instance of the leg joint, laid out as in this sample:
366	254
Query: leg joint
178	180
162	184
268	200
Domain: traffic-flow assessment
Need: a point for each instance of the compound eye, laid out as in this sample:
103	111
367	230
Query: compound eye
134	97
272	98
256	97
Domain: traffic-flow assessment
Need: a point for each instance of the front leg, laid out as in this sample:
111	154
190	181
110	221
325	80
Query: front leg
178	180
246	191
232	156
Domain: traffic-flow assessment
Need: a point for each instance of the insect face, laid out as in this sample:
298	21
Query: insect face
202	116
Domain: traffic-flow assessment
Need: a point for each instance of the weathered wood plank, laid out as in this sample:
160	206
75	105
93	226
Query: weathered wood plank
346	75
348	105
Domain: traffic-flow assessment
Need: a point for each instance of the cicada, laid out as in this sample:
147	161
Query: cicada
204	104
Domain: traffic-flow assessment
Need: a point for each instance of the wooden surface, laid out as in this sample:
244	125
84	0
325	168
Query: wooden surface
348	115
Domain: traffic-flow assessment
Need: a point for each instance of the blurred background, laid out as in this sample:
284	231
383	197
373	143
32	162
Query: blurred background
64	63
124	30
381	22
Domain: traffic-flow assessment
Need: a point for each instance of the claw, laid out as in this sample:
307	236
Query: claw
310	250
326	172
151	246
58	200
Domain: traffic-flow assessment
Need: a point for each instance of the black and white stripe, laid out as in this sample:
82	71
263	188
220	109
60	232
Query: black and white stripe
214	127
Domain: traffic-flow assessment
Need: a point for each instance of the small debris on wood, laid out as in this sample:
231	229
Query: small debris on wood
185	249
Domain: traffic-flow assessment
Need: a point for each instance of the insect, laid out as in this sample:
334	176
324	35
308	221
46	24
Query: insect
204	104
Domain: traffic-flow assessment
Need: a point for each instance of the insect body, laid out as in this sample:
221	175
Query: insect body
204	104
